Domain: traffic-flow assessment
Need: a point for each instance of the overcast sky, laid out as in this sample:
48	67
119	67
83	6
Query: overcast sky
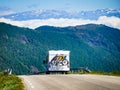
69	5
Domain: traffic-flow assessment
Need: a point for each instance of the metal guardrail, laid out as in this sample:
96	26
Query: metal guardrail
84	69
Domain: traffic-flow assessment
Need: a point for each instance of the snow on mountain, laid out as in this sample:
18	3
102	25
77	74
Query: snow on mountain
56	14
61	18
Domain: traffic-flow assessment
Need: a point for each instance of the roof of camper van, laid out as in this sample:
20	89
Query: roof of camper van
59	52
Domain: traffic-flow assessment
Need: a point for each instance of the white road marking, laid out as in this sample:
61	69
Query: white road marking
30	84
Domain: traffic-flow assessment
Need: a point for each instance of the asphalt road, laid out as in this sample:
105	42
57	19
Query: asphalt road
71	82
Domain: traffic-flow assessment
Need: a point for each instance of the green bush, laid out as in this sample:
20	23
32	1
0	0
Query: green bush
10	82
116	73
113	73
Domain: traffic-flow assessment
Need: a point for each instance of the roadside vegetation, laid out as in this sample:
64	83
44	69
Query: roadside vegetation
114	73
10	82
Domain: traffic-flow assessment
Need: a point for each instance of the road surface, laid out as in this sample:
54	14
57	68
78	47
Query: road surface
71	82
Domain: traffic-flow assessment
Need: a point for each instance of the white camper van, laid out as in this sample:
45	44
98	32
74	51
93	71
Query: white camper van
58	61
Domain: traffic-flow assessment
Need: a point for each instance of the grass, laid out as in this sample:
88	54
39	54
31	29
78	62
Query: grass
114	73
10	82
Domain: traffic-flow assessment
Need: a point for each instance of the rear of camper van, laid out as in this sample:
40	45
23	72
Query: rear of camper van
58	61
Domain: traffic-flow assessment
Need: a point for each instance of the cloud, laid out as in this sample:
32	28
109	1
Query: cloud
9	21
109	21
5	11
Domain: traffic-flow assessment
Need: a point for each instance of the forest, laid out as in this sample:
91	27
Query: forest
94	46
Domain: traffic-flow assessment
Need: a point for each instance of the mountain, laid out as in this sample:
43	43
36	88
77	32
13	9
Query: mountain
94	46
47	14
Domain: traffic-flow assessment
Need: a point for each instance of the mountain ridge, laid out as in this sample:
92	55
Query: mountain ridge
57	14
24	49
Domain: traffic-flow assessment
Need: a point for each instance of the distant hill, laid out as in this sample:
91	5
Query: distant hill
57	14
94	46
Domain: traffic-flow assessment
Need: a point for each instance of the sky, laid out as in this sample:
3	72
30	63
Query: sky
69	5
